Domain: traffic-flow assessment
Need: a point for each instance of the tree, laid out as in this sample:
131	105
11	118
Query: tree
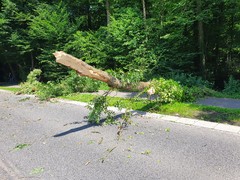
108	11
49	31
201	42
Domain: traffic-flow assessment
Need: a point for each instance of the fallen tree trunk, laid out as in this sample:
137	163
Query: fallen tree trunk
83	69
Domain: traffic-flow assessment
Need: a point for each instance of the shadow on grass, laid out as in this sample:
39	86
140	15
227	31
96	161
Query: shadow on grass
220	115
202	112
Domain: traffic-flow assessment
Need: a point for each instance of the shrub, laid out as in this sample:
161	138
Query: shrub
32	84
50	90
75	83
190	80
167	90
132	77
71	84
191	94
232	87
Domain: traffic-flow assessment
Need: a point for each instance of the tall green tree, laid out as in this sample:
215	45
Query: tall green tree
49	31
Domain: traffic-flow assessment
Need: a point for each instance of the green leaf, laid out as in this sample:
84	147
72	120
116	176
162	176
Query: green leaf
21	146
37	170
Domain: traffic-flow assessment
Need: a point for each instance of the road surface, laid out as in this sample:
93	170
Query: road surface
53	141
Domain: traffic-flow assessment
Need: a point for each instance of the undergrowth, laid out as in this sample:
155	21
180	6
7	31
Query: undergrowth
70	84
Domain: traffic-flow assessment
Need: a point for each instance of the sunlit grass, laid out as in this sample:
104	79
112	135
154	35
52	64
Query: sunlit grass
8	88
189	110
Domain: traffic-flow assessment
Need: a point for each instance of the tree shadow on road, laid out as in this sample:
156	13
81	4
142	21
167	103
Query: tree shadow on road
73	130
89	125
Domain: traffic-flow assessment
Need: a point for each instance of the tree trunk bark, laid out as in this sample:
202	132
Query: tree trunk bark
201	43
144	10
83	69
12	75
32	62
89	16
108	11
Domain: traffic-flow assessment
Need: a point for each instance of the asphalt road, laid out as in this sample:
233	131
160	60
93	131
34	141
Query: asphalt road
52	141
220	102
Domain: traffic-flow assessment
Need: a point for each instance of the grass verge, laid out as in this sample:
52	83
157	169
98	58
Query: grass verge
8	88
189	110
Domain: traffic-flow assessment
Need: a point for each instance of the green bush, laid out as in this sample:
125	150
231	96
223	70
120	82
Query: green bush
32	84
75	83
50	90
189	80
232	87
132	77
191	94
71	84
167	90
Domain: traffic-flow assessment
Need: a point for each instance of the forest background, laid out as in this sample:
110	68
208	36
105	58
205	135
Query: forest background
148	38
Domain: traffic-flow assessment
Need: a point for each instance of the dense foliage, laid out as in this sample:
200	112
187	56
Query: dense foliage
72	83
197	40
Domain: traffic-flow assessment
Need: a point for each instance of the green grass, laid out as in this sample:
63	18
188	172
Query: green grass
189	110
104	86
8	88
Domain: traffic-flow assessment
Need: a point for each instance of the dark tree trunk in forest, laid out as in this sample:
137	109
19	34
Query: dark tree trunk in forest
83	69
144	10
231	39
108	11
201	43
12	75
89	17
32	61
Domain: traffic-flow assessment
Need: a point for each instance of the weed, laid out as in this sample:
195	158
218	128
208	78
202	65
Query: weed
91	142
20	146
130	137
140	133
37	171
107	154
167	130
146	152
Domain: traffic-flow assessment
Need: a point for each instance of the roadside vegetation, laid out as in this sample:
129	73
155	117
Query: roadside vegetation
175	97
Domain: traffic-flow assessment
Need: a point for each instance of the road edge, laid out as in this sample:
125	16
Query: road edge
174	119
